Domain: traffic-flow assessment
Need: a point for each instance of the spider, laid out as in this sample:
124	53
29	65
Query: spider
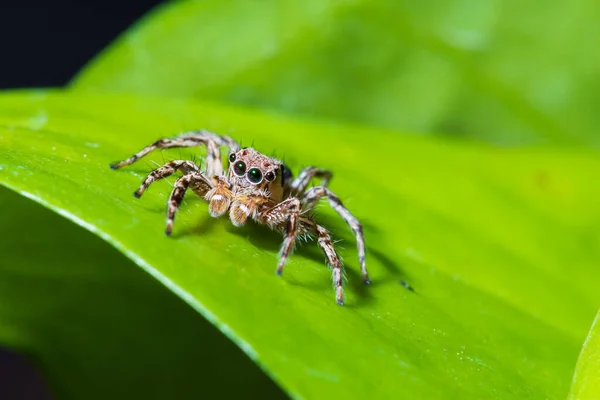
254	187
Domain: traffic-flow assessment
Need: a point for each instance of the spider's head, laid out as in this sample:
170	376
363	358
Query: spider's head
255	172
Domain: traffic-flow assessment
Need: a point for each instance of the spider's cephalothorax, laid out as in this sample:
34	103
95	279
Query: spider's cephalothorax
254	187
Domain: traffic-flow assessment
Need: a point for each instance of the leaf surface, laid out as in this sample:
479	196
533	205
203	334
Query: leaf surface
586	381
499	245
97	326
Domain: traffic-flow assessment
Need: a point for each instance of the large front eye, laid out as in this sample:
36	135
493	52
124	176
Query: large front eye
239	168
254	175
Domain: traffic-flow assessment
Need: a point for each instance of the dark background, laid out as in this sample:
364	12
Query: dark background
44	43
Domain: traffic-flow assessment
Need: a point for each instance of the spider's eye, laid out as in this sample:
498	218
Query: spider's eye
269	176
254	175
239	168
232	157
286	174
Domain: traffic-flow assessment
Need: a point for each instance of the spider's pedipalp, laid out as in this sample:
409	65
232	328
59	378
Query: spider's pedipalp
162	172
309	201
219	197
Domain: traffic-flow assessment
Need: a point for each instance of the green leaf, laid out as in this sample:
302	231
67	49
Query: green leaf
100	328
511	73
500	246
586	381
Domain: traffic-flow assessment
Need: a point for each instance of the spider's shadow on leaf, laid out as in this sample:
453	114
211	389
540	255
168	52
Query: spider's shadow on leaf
268	240
397	274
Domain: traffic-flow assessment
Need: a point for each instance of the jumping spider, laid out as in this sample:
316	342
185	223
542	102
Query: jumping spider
254	186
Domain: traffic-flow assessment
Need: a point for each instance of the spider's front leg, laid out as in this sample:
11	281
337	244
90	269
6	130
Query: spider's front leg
197	181
166	170
309	201
283	216
307	225
212	141
326	244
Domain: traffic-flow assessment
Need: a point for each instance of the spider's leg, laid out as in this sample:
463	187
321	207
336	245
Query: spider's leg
214	165
169	168
300	184
309	226
309	201
191	139
283	216
326	244
195	180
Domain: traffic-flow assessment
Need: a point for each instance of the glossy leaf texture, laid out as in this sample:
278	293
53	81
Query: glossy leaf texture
500	246
511	72
586	381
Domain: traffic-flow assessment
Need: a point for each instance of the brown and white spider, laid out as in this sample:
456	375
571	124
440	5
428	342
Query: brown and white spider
254	186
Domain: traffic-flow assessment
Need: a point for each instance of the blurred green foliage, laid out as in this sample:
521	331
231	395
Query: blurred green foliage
501	247
507	72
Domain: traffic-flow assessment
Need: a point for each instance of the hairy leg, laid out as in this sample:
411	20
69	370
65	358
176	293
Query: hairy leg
309	201
179	188
326	244
284	215
169	168
191	139
300	184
